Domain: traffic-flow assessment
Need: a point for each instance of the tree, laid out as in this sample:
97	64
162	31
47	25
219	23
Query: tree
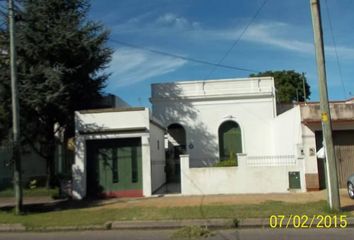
61	56
5	100
288	84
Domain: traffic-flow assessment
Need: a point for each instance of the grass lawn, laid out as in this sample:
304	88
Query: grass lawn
92	216
36	192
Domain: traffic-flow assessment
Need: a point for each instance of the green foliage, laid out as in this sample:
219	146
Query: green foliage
28	192
231	162
289	85
61	57
5	120
235	222
226	163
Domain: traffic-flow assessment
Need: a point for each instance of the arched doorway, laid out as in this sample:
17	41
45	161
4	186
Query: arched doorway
176	136
230	140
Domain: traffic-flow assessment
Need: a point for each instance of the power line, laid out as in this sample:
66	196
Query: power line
184	58
335	50
239	37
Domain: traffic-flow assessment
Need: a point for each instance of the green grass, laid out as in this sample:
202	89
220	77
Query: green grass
89	216
37	192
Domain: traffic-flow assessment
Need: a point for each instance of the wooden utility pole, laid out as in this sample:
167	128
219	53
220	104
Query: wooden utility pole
15	112
331	166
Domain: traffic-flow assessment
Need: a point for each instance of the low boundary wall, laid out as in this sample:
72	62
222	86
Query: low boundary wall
244	178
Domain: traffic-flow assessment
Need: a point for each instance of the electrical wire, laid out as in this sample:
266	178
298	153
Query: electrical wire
195	60
238	39
335	50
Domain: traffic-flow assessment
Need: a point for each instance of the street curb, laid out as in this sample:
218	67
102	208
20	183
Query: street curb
165	224
173	224
12	227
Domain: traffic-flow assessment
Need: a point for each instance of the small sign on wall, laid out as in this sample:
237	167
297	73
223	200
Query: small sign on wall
312	152
300	151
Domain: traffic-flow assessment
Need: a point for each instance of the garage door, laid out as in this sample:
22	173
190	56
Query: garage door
114	168
344	150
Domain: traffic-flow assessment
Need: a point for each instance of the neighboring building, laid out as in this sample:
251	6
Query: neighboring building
342	115
207	122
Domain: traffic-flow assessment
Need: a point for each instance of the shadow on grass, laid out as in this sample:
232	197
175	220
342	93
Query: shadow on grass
348	208
62	204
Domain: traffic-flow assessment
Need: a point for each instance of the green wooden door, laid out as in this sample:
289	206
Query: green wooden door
229	140
118	167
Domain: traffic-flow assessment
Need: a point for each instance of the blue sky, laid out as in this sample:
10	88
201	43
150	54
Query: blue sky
279	38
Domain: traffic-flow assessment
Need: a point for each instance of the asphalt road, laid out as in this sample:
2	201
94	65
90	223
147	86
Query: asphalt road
245	234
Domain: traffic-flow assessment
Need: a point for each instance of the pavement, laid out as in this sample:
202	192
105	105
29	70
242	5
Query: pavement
178	200
9	201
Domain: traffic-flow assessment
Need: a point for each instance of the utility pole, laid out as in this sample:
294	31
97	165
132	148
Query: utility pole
331	166
304	87
15	112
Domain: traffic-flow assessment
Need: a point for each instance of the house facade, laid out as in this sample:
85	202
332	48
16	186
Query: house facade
219	136
224	119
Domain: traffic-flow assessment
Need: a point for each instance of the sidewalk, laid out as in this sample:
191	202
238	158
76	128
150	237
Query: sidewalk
177	200
9	201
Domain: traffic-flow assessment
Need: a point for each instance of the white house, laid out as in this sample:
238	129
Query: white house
119	153
209	124
216	119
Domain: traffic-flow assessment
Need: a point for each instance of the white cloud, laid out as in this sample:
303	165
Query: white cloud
173	20
164	24
273	34
278	35
130	66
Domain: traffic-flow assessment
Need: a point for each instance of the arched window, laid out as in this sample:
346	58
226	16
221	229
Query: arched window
230	142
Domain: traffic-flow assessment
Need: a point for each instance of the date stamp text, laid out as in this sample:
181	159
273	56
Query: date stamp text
305	221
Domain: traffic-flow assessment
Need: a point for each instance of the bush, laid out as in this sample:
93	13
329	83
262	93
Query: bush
226	163
231	162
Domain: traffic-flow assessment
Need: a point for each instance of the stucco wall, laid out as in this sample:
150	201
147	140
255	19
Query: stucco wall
309	143
219	87
202	106
157	151
287	134
93	125
117	119
234	180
